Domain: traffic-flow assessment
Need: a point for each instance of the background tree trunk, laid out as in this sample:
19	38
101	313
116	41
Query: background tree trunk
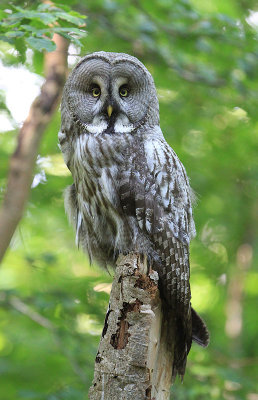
22	161
133	359
234	304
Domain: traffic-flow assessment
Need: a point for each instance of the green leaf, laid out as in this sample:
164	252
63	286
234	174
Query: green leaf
3	38
41	44
70	30
45	7
21	48
71	38
71	18
14	34
76	14
30	28
38	62
46	18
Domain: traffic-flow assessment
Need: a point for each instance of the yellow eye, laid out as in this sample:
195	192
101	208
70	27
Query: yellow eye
123	91
96	91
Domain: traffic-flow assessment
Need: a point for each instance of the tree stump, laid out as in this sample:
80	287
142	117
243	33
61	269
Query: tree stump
134	361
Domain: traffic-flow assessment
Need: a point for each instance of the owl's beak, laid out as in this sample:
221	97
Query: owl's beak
109	110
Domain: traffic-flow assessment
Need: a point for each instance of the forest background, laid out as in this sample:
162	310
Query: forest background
203	56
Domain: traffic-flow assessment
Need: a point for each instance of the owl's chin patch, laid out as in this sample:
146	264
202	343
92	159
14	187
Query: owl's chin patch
96	129
121	128
118	124
103	128
98	125
123	125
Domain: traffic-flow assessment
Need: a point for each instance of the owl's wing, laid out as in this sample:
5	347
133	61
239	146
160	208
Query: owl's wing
156	190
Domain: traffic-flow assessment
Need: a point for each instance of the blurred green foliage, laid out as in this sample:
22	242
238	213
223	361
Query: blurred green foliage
203	57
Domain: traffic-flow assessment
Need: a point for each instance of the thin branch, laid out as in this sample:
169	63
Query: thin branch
23	308
33	315
22	161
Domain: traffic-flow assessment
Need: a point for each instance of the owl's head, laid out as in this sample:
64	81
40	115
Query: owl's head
110	93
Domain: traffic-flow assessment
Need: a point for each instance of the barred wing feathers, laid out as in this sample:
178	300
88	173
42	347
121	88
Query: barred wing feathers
156	190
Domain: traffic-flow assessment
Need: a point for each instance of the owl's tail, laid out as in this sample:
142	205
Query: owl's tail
200	333
192	329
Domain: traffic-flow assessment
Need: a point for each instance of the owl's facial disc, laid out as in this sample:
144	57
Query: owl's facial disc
109	97
109	113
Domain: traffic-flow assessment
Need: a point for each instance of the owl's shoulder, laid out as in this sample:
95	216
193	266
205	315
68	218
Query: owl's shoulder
161	157
172	186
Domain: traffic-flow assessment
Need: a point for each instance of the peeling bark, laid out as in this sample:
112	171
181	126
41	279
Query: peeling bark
134	360
22	161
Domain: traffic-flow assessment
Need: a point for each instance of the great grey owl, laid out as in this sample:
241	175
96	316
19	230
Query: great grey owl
130	192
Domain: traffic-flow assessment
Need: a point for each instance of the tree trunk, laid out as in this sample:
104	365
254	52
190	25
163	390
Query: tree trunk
133	360
234	304
22	161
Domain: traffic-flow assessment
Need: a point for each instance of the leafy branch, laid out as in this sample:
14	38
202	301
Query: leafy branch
34	28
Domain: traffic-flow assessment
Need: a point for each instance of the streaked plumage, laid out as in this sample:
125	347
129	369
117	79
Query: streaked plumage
130	191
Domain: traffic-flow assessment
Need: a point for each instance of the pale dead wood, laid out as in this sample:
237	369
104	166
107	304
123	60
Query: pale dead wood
134	360
22	161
